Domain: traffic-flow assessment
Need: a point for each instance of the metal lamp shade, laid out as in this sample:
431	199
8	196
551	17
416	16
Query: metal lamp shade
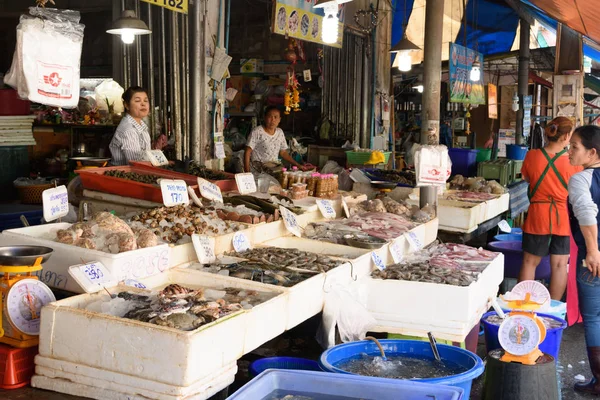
130	23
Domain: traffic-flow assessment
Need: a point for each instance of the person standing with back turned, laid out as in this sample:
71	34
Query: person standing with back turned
546	230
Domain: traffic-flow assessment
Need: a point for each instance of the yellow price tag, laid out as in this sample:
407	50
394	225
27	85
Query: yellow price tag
173	5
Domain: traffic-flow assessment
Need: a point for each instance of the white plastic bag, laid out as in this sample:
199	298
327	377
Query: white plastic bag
432	165
111	91
45	66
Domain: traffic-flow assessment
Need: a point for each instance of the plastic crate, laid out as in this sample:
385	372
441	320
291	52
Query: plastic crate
32	194
464	161
16	366
295	363
500	170
361	158
10	215
516	171
319	384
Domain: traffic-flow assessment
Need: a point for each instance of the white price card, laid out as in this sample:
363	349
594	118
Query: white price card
345	207
205	248
307	75
174	192
414	241
326	207
157	158
92	276
209	190
504	226
240	242
290	221
134	283
245	183
396	251
219	150
55	203
378	261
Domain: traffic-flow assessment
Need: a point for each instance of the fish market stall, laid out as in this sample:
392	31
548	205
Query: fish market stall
443	289
177	340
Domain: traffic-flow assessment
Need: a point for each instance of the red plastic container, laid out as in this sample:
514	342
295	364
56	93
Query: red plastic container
226	185
11	104
94	179
16	366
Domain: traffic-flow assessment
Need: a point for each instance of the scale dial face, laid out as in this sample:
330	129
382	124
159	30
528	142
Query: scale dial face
24	303
519	335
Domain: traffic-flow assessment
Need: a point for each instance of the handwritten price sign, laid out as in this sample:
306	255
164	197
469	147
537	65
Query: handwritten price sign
134	283
396	252
173	5
209	190
414	241
245	183
377	261
55	203
290	221
504	226
174	192
240	242
205	248
345	207
92	276
326	208
157	158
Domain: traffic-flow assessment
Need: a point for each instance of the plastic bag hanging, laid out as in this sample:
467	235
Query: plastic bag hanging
46	62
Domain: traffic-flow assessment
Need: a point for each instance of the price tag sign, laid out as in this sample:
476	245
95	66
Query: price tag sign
134	283
307	75
174	192
345	207
396	251
205	248
240	242
414	241
92	276
157	158
55	203
326	207
504	226
173	5
209	190
290	221
378	261
245	183
219	150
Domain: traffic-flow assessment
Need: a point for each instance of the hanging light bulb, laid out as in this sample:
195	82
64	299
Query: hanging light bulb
330	22
128	26
402	49
419	88
515	103
475	73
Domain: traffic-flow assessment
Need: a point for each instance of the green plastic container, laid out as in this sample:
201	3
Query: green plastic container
483	154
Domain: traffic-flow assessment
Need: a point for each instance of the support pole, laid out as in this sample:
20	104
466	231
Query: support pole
175	66
432	70
150	86
197	112
523	82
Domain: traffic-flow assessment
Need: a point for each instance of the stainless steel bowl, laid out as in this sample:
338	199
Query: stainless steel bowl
23	255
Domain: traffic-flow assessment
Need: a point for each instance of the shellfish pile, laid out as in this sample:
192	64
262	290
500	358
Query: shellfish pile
177	224
133	176
449	264
476	184
389	205
107	233
180	307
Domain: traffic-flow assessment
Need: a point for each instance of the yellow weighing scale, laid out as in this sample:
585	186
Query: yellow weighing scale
23	295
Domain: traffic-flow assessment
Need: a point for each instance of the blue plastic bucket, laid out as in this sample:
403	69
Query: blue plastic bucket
464	161
550	345
465	358
263	364
516	231
509	236
513	259
516	152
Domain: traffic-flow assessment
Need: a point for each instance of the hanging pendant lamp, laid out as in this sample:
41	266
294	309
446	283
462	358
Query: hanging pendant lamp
129	26
402	49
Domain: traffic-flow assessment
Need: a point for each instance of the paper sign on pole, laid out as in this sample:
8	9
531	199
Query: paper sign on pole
414	241
93	276
174	192
245	183
378	261
55	203
396	251
157	158
209	190
326	208
345	207
290	221
504	226
240	242
205	248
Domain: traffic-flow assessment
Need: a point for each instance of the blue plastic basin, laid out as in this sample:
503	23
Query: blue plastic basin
462	357
318	384
509	236
516	151
513	259
550	345
264	364
517	231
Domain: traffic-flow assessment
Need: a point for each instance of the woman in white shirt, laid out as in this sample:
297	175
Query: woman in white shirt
267	142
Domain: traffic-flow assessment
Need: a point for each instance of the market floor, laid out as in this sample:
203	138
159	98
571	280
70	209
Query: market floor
300	342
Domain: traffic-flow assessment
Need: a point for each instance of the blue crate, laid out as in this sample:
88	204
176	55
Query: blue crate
464	162
10	215
263	364
313	384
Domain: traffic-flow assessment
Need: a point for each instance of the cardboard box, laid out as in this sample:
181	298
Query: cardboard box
252	66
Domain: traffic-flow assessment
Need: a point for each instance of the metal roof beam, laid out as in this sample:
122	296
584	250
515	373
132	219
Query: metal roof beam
521	11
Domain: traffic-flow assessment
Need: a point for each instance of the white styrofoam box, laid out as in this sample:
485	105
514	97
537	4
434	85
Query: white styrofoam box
264	322
415	308
133	264
168	355
102	379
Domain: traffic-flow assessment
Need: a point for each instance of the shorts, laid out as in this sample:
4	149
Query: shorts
541	245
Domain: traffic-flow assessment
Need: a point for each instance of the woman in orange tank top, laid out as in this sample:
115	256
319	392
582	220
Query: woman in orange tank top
546	229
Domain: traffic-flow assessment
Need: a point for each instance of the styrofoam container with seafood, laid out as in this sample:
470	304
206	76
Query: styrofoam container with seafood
64	376
415	308
264	322
134	264
163	354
